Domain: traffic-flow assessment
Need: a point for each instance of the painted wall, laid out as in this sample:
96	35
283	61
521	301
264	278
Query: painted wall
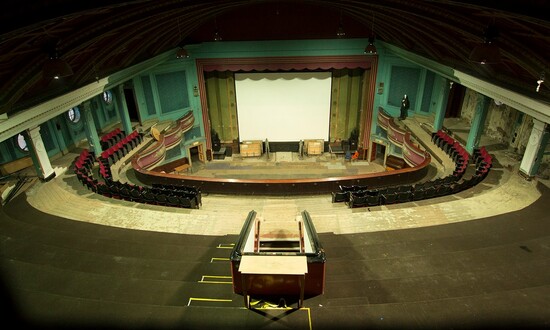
503	123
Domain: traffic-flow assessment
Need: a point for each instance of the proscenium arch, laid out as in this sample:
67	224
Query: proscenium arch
288	63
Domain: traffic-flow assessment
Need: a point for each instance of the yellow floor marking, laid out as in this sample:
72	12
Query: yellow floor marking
208	299
226	246
205	277
219	259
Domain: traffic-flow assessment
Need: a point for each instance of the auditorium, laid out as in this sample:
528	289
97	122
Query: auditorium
275	164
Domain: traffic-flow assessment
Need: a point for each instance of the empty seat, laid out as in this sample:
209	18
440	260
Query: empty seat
418	194
161	199
340	196
357	200
188	203
389	198
404	196
373	200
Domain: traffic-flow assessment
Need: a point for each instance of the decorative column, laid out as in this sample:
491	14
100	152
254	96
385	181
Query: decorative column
90	128
534	151
122	109
39	154
443	99
482	107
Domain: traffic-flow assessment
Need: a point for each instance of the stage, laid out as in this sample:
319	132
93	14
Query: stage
283	165
280	173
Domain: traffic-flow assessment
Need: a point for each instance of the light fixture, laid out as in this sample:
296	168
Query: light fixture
55	68
371	48
487	52
340	33
540	81
182	53
217	36
195	91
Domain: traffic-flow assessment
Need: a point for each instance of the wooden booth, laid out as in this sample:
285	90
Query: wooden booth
278	258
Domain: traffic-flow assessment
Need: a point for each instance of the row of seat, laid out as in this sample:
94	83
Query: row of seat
82	167
453	149
483	160
178	190
166	195
110	139
140	194
84	159
360	196
121	148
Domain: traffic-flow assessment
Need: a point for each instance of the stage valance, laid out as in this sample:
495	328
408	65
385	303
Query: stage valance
300	63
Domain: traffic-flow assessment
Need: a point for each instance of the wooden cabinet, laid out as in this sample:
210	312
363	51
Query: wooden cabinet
251	148
314	147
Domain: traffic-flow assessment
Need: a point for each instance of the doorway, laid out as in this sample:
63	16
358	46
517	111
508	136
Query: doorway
378	153
196	156
454	102
131	105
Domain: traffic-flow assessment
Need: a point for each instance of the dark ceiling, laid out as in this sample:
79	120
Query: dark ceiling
100	37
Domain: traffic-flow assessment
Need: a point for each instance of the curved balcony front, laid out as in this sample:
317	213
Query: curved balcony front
412	154
396	134
383	118
153	155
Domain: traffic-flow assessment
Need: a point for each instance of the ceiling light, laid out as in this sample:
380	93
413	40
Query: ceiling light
487	52
217	36
371	48
182	53
540	81
340	33
55	68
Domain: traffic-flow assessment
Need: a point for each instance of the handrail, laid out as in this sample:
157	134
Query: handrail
412	154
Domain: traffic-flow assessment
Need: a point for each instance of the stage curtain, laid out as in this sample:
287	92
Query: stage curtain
222	109
347	100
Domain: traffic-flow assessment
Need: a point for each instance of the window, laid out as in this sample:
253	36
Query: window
73	115
108	97
22	143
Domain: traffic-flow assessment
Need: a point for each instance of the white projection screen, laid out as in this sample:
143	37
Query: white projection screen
283	106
